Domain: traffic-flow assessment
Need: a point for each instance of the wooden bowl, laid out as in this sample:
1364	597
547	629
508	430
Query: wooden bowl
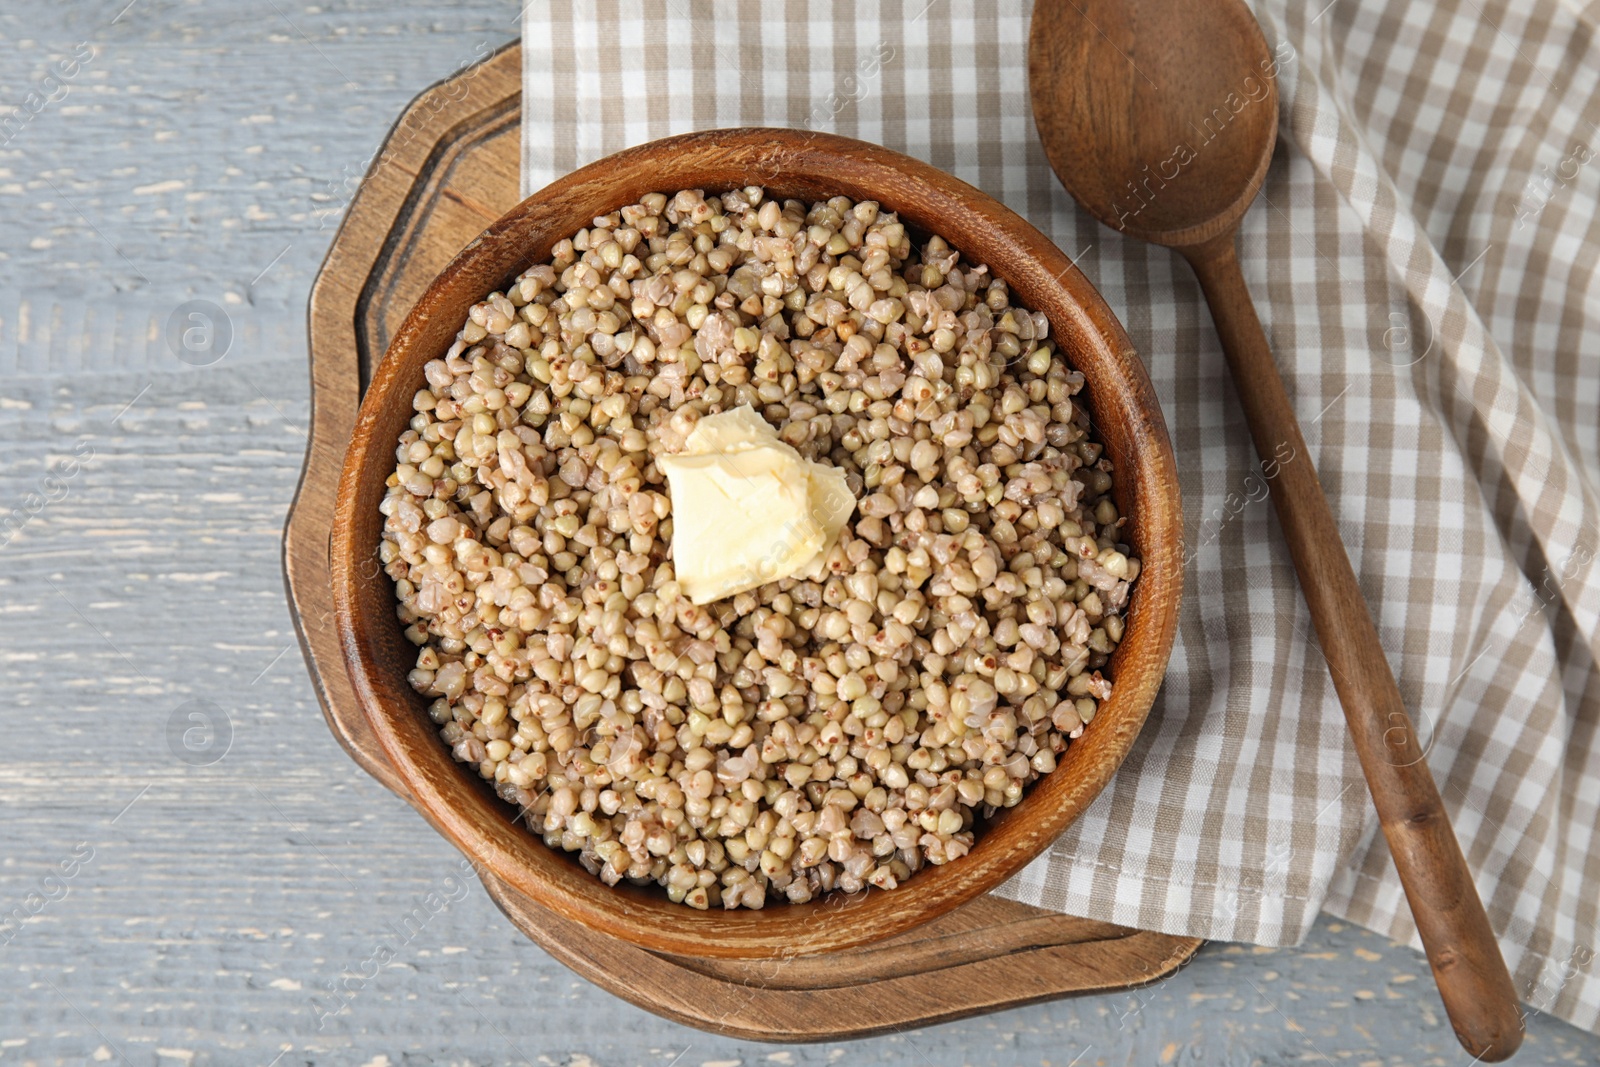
807	166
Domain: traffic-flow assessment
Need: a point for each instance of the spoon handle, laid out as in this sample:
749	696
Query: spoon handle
1461	948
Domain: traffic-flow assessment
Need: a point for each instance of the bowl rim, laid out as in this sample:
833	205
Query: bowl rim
457	803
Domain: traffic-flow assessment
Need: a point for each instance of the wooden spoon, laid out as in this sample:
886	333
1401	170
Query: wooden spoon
1159	116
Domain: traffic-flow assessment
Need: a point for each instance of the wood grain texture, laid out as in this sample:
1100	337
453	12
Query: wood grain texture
391	245
1116	86
989	955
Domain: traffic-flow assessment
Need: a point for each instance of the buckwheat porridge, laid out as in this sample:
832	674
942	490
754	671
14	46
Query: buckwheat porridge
881	611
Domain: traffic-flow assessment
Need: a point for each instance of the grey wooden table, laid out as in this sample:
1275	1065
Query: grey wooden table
188	861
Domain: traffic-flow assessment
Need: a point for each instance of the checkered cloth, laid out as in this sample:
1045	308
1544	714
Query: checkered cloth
1423	260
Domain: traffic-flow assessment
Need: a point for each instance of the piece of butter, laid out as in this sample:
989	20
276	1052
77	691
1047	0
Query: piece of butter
747	509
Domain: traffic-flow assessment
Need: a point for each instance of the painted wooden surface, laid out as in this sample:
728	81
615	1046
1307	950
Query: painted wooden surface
221	880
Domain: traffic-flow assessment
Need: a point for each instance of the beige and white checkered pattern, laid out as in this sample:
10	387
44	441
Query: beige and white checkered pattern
1423	258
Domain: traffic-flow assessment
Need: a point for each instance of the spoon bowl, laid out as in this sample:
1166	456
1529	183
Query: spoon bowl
1166	126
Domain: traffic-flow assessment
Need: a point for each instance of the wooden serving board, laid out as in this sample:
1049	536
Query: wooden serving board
448	169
